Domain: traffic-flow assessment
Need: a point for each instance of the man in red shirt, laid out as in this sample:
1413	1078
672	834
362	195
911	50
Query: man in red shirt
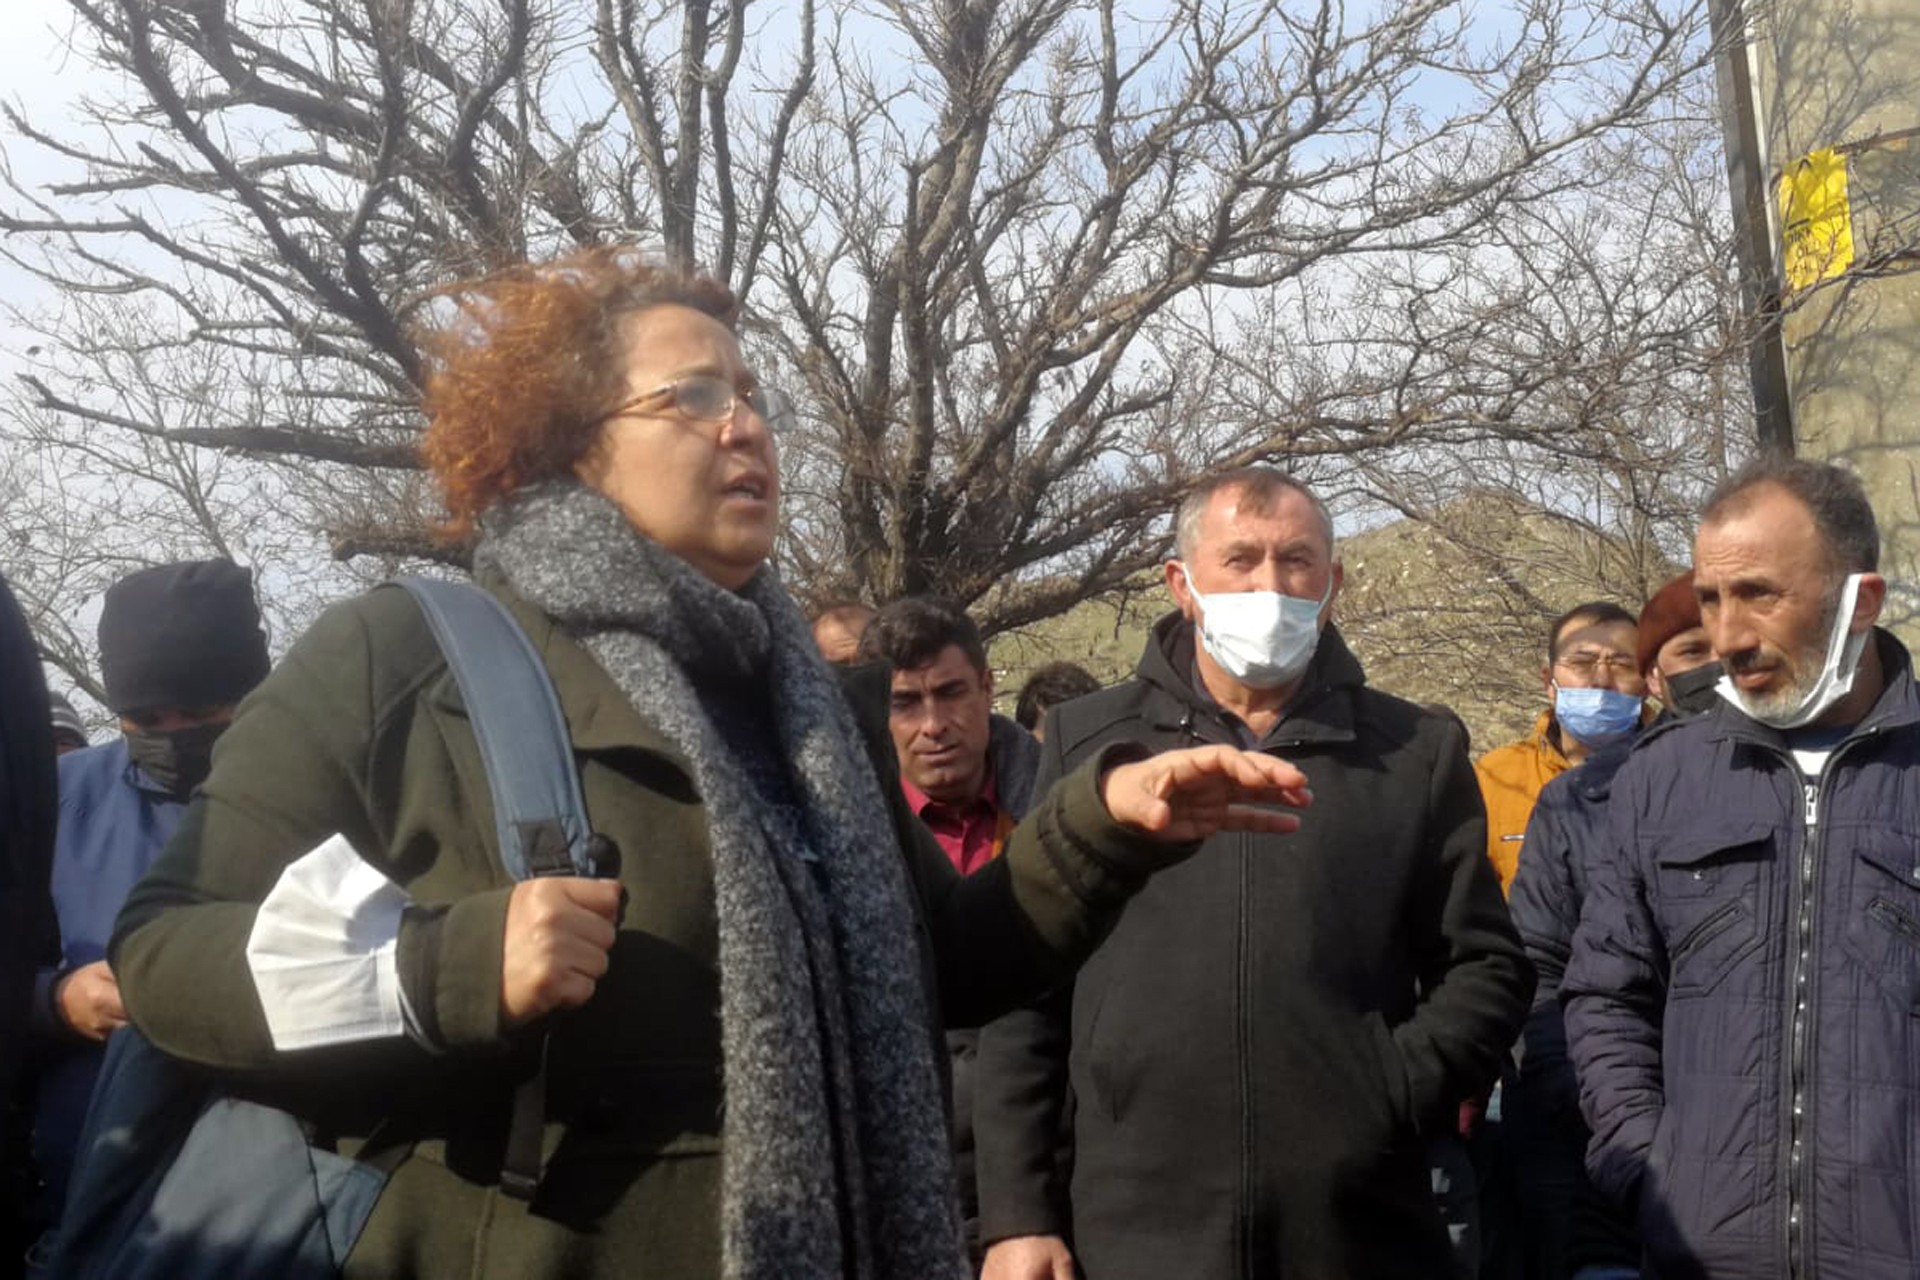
967	772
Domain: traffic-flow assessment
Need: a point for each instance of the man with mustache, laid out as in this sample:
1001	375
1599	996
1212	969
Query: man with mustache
967	774
1743	998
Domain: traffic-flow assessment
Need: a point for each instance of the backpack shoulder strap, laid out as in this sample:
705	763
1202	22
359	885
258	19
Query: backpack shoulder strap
538	811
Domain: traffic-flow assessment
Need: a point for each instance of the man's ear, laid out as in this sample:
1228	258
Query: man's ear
1657	685
1546	681
1179	588
1334	587
1868	603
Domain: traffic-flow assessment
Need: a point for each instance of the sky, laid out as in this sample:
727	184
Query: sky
38	76
37	72
32	59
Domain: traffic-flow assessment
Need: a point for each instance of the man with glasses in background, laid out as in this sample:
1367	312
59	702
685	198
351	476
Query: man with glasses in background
1571	1233
1594	690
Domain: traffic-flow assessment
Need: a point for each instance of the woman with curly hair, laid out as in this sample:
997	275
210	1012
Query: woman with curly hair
740	1033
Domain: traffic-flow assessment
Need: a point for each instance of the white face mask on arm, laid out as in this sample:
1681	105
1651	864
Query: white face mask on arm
1263	639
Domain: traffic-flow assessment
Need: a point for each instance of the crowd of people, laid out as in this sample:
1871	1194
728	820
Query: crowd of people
1239	967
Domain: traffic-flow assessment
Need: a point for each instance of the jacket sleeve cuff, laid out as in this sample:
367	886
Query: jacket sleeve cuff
1040	1220
454	988
1617	1163
1074	866
417	957
46	1022
1113	860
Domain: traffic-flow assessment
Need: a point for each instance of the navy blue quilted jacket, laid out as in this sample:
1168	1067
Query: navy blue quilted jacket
1567	829
1743	1000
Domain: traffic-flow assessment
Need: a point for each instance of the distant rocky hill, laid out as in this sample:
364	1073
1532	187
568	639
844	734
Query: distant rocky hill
1458	619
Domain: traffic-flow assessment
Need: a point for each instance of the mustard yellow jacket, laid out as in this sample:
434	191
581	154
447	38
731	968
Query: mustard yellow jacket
1510	781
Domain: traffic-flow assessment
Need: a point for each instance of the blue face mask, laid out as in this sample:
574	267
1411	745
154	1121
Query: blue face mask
1595	717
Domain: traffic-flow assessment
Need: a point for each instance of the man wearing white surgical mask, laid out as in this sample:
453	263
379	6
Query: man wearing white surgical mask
1257	1053
1258	586
1743	988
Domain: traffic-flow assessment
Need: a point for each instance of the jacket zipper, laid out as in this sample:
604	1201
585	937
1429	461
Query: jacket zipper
1243	1007
1801	971
1243	984
1800	1064
1243	1011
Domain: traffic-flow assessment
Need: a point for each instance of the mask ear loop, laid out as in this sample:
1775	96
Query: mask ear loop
1843	635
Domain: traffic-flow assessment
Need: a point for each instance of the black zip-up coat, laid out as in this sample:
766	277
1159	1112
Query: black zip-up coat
1014	757
1252	1056
27	813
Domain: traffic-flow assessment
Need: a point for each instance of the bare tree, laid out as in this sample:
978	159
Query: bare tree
1584	366
1015	254
82	510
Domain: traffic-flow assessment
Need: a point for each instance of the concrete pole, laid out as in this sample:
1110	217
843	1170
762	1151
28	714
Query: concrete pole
1756	228
1818	93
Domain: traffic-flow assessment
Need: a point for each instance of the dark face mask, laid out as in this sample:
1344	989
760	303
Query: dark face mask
175	760
1692	692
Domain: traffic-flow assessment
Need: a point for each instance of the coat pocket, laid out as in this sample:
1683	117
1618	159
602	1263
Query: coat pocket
1093	1050
1711	902
1883	925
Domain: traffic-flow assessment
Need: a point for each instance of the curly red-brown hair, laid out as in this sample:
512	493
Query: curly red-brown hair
528	362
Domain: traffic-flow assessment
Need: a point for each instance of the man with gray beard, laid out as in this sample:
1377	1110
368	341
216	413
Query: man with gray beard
1743	998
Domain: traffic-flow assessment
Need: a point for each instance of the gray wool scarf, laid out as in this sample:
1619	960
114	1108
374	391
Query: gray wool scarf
836	1162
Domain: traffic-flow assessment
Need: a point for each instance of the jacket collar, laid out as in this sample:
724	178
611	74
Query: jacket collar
1541	736
1594	776
1321	710
1897	707
1013	755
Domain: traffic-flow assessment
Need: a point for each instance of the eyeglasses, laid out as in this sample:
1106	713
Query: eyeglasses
706	397
1586	664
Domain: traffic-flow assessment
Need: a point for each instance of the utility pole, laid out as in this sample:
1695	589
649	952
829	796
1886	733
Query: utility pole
1821	100
1756	229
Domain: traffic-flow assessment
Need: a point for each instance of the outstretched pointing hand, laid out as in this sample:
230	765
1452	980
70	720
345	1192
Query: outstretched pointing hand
1180	796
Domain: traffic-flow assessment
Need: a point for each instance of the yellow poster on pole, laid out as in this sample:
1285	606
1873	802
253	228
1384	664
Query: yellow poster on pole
1816	222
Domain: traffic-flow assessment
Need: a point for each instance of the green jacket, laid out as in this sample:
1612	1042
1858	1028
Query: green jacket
361	731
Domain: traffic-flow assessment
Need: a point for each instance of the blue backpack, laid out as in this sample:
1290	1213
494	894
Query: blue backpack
176	1180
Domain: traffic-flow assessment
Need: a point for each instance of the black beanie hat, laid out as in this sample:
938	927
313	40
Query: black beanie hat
181	635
